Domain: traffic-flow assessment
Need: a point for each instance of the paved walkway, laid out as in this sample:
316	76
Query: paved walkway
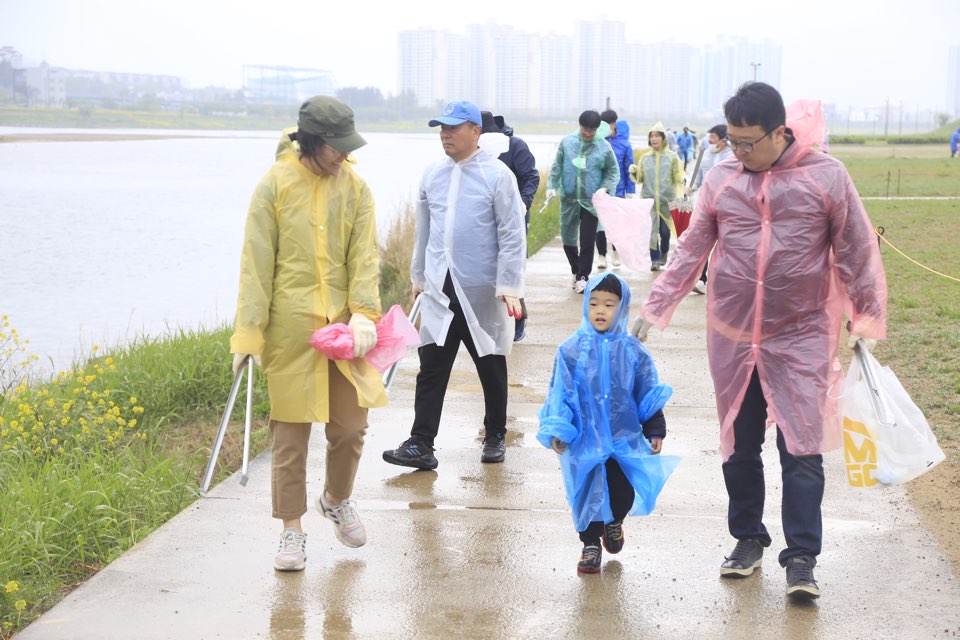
489	551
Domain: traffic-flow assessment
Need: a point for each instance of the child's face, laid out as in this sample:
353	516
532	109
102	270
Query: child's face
603	307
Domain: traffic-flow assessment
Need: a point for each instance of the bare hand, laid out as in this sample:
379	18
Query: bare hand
656	445
557	445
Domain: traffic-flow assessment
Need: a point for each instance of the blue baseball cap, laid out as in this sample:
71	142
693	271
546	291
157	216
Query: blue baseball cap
458	112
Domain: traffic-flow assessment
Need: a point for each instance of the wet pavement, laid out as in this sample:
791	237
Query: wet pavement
489	551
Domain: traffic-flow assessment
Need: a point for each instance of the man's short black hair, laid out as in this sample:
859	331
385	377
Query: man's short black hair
720	130
756	103
590	119
609	116
610	284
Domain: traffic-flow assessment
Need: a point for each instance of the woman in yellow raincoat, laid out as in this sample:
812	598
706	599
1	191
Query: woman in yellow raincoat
310	258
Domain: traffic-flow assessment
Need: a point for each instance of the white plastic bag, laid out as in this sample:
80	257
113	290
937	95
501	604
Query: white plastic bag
886	439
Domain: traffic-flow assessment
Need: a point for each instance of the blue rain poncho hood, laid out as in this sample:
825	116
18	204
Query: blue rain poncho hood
603	388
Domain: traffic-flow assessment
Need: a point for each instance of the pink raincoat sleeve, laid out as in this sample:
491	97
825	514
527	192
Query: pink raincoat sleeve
858	267
693	249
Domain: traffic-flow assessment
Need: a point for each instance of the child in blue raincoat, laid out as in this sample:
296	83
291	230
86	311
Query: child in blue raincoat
604	415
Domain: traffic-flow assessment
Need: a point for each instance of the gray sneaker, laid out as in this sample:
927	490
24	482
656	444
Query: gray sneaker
346	523
746	556
801	585
292	555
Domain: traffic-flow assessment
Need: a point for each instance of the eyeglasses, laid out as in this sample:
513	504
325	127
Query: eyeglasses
746	147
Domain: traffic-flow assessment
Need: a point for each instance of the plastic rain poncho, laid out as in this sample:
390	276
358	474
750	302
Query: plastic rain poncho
469	220
794	251
579	169
604	387
310	258
661	174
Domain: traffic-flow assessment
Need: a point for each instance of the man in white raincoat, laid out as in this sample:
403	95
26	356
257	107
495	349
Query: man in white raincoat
310	259
468	262
795	251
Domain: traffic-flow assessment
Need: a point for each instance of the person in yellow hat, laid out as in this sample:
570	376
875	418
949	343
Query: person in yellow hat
310	259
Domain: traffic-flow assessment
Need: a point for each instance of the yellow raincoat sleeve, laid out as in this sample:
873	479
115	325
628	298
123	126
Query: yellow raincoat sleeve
363	260
256	271
677	174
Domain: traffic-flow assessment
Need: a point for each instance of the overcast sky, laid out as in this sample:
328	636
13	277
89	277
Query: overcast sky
848	52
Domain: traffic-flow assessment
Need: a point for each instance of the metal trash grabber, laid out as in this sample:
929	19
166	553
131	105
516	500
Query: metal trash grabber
212	464
392	371
877	400
545	203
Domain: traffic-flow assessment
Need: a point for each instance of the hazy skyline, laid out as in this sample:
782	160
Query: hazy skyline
847	53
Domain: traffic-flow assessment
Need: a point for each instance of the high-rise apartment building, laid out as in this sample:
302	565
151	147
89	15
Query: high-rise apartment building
953	82
554	75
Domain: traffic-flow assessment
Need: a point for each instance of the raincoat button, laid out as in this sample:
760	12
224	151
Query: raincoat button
754	346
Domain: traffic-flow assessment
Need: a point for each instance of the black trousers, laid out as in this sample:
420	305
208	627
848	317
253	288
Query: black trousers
621	501
602	243
436	363
803	483
581	264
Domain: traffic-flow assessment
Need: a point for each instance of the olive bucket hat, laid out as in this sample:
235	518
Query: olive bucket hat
332	120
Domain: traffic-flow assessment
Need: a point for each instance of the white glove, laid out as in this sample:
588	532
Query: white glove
602	190
551	193
852	342
640	329
632	169
238	360
514	310
364	334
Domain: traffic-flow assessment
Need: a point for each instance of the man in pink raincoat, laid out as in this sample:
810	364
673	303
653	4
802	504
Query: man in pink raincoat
794	252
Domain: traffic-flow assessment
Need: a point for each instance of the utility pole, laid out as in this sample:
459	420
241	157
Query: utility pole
755	65
608	103
886	118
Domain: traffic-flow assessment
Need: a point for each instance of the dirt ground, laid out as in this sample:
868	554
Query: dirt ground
935	497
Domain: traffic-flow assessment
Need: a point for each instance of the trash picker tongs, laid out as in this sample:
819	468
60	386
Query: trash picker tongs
877	399
247	365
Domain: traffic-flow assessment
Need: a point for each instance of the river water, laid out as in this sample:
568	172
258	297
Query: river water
105	241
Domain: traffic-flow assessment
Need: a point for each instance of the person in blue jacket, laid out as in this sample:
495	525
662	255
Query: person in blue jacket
955	143
686	146
619	140
524	166
604	415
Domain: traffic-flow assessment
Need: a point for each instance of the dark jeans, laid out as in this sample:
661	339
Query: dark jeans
664	242
582	263
803	483
436	363
621	501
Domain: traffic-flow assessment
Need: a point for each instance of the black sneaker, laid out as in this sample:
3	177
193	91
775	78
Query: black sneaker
494	449
613	537
590	558
520	329
746	556
801	585
412	453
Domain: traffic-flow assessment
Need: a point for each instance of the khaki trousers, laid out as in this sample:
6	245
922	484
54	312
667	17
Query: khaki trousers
345	432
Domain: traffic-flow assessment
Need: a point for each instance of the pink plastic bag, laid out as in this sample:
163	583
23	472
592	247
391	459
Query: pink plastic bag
334	341
395	333
627	225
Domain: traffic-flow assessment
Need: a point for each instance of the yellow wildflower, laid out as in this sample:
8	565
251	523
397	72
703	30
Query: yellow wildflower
20	605
12	586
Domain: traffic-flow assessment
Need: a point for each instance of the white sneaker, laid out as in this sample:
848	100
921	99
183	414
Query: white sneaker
581	285
700	287
615	258
346	522
601	262
292	555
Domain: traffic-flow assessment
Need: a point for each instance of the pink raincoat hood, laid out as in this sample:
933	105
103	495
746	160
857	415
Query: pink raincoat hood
795	251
